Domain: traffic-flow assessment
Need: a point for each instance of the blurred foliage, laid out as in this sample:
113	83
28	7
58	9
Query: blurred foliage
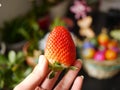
21	28
13	70
10	30
26	26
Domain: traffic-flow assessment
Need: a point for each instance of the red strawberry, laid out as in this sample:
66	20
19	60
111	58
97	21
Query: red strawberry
60	49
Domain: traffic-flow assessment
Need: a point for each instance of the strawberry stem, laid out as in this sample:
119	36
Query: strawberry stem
56	66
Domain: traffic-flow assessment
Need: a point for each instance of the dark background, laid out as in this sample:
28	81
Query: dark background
90	83
111	21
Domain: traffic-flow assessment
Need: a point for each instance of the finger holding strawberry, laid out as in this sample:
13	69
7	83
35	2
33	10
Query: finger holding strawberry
38	78
60	53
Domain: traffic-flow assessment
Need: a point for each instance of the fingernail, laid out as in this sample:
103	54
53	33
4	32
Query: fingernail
41	59
82	76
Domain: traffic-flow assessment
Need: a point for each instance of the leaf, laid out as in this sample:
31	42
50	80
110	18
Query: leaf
57	22
2	59
51	75
24	33
1	83
20	55
12	56
34	26
73	68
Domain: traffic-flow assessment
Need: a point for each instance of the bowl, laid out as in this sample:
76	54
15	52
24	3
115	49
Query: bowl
102	70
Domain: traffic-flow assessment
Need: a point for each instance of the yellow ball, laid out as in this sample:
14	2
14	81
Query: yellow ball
88	53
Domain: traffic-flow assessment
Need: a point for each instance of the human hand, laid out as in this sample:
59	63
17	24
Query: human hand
38	79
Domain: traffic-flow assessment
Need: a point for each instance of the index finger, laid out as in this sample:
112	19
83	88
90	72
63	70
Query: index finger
69	77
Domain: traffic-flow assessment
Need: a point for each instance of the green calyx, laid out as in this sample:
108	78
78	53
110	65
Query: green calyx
58	67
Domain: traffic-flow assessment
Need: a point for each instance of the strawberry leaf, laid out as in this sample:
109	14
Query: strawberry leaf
58	66
73	68
51	75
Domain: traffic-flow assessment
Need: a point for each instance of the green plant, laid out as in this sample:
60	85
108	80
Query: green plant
23	28
10	30
57	22
13	70
32	33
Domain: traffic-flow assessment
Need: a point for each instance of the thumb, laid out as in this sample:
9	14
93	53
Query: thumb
36	77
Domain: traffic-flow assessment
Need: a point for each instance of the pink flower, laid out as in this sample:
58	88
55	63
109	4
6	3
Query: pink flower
80	9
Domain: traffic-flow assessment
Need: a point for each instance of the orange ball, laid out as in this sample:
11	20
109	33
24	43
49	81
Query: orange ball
103	39
112	44
88	53
110	54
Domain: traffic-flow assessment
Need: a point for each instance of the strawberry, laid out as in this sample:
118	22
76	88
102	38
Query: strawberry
60	50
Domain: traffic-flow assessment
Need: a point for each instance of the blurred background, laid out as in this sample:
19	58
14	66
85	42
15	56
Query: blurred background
93	24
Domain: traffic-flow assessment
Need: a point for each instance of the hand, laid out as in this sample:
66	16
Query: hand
38	79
